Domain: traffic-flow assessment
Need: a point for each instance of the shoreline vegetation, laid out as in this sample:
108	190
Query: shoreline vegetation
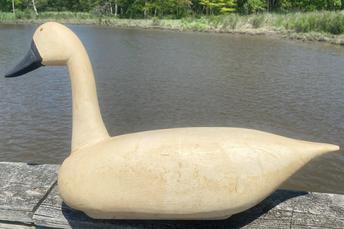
324	26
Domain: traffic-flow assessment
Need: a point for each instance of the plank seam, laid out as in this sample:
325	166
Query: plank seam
43	198
17	223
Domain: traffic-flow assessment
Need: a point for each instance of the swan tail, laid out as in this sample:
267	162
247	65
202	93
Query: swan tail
317	149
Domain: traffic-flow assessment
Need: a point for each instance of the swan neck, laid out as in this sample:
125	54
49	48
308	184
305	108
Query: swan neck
88	125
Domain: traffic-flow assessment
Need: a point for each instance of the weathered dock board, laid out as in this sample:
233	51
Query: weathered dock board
29	199
22	187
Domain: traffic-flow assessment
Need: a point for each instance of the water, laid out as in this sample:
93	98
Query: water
158	79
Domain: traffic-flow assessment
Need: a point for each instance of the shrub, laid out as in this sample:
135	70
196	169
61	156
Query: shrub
26	14
258	20
230	21
155	21
326	22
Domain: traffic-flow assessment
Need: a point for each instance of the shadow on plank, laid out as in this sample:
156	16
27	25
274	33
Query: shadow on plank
77	219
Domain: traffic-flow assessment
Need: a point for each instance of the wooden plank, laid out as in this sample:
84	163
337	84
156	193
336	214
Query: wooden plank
283	209
29	198
22	187
320	210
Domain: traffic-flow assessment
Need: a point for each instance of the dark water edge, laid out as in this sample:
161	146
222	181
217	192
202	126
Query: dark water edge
149	79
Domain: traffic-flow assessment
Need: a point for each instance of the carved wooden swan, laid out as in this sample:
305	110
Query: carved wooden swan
186	173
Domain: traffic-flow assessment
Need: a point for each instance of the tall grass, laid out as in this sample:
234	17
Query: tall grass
230	22
327	22
321	22
66	15
4	16
21	16
258	21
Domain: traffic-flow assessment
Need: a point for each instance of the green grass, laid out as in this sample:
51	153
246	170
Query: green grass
327	22
67	15
29	16
258	21
4	16
322	22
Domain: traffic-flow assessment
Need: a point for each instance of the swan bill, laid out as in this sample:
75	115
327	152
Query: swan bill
30	62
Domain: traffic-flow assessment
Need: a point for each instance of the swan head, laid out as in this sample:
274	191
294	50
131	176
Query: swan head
52	44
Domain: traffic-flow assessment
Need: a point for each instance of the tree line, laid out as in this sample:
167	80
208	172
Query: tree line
169	8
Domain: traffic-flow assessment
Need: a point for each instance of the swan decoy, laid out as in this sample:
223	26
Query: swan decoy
182	173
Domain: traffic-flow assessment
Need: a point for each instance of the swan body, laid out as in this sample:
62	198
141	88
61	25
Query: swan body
184	173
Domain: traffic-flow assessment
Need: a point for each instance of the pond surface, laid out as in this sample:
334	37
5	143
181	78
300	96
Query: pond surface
159	79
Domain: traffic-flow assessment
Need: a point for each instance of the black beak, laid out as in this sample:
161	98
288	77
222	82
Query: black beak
31	61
